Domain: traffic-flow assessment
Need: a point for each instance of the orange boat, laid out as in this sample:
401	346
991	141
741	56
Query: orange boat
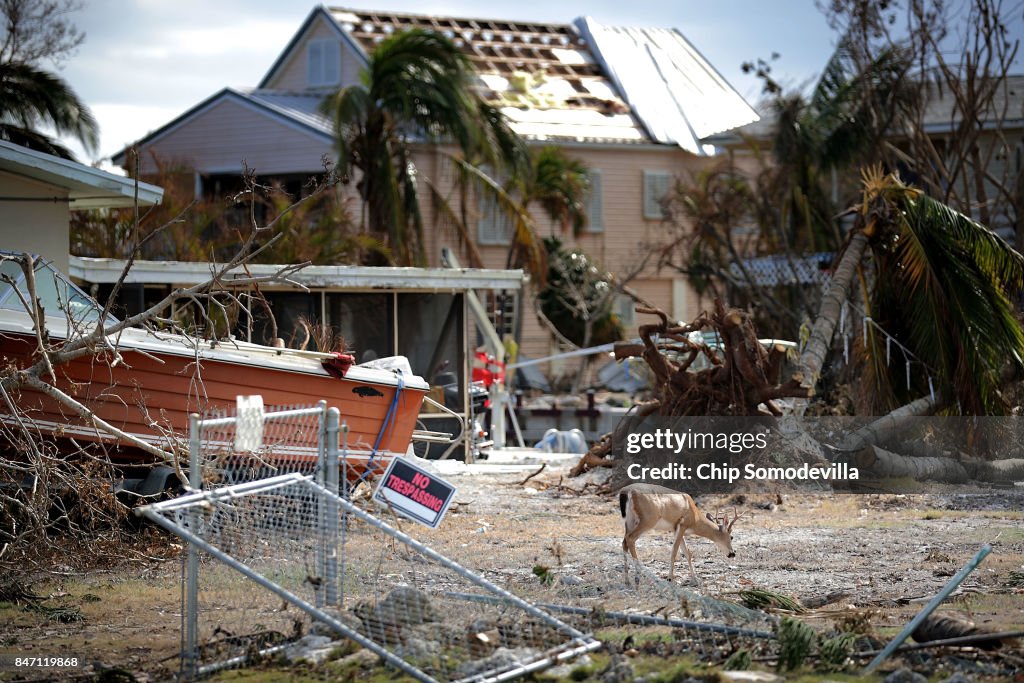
155	380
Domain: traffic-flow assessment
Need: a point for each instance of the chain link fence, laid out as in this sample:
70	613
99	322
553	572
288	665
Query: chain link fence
277	559
418	610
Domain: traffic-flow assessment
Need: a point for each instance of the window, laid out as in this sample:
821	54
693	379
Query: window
324	62
595	202
656	185
57	296
494	226
364	322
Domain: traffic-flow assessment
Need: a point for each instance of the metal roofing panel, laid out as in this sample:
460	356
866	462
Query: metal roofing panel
677	95
105	270
303	107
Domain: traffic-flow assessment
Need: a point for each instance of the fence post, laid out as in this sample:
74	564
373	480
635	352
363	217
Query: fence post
321	508
195	481
344	493
331	528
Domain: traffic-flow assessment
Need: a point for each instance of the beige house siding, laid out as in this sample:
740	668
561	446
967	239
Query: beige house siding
230	133
36	227
621	247
293	73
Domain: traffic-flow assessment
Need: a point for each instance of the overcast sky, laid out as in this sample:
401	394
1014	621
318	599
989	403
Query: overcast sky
146	61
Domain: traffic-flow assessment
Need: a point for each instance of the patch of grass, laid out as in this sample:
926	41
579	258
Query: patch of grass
796	640
682	671
544	574
641	636
1005	534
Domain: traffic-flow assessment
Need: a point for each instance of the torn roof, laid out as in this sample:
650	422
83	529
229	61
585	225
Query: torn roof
551	86
676	93
581	82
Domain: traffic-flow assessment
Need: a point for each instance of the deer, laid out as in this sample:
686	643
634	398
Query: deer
649	506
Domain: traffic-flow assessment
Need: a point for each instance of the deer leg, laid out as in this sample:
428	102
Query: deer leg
625	558
689	560
629	546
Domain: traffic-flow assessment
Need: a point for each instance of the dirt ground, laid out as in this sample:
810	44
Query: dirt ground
887	554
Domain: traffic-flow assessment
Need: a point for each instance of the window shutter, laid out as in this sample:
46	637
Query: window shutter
331	51
656	186
626	310
315	73
324	65
493	227
595	202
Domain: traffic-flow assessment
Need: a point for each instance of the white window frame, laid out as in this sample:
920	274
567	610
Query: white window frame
323	62
652	204
595	201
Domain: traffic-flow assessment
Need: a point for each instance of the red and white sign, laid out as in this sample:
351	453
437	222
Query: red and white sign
415	493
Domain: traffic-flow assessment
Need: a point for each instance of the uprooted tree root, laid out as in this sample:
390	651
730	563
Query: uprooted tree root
743	377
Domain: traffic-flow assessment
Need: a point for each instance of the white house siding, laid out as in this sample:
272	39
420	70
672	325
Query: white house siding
231	133
36	227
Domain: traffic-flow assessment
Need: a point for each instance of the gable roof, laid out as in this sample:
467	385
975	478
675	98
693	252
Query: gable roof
569	82
296	110
582	82
87	187
319	12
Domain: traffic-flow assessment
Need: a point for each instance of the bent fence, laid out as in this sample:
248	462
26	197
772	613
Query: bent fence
420	611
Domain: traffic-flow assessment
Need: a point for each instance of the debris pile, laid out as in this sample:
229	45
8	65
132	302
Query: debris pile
741	378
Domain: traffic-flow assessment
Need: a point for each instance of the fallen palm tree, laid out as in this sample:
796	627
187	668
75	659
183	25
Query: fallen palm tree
742	377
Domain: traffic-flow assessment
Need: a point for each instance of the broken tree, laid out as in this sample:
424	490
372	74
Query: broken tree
743	378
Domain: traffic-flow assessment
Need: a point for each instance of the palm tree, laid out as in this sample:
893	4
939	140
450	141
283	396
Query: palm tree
30	98
842	123
560	184
417	86
942	288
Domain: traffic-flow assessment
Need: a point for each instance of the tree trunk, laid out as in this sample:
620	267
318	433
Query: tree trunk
875	461
882	429
1004	471
813	357
878	462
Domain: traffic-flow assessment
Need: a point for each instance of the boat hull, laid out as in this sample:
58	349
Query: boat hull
151	393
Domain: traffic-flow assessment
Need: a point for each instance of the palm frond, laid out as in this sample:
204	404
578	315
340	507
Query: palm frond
944	291
446	215
30	97
527	247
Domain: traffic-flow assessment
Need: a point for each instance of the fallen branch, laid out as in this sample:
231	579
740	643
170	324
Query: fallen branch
539	470
56	394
